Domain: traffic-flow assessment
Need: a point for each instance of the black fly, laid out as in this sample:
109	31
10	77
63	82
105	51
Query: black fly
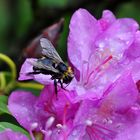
52	64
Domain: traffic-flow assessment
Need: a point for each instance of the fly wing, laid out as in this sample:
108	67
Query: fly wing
49	51
41	65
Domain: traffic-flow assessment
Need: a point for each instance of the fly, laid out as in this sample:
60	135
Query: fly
52	64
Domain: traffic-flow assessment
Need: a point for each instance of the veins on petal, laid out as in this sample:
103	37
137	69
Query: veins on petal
98	132
96	72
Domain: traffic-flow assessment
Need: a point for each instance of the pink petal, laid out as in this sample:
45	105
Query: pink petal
21	105
131	125
55	105
122	95
27	68
11	135
133	51
107	19
83	32
118	37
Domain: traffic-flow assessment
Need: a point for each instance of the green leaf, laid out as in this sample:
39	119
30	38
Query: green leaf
3	104
5	125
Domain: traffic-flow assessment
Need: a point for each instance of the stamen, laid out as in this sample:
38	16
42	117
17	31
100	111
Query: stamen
59	126
99	132
31	134
34	126
49	132
50	122
88	122
64	120
85	65
104	131
65	112
104	62
93	134
98	68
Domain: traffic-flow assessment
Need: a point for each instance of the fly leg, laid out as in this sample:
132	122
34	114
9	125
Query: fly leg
61	83
55	86
35	72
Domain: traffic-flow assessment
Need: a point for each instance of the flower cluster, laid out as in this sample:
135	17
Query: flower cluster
102	101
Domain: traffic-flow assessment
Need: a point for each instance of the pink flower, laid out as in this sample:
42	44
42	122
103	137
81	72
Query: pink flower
11	135
115	117
101	103
100	51
47	113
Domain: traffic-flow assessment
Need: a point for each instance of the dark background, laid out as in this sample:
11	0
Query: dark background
22	20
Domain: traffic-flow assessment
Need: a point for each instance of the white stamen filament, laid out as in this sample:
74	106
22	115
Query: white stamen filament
89	122
34	125
49	122
59	126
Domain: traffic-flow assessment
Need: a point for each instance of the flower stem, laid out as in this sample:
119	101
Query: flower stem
3	86
10	63
2	81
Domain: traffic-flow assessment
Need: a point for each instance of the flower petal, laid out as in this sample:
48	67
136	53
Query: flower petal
50	103
117	38
21	105
11	135
133	51
122	95
83	31
27	68
107	19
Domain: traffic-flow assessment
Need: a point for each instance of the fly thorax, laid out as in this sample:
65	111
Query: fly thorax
68	75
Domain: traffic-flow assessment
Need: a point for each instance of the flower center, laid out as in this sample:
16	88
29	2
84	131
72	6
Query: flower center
94	73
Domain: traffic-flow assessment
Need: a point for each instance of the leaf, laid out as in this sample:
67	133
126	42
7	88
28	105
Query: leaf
3	104
5	125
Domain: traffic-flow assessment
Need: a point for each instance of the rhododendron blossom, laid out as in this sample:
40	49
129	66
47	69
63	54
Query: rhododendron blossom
99	51
101	102
47	113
